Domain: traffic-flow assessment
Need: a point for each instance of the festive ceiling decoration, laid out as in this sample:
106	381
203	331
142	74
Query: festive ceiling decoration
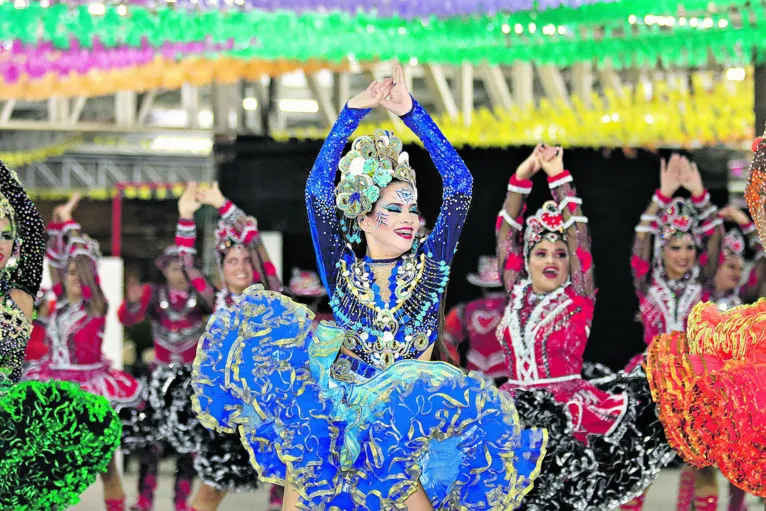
670	119
622	32
16	159
156	74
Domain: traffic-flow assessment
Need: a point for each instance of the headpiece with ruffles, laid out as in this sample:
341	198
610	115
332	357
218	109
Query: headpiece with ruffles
676	219
546	224
226	236
371	164
734	243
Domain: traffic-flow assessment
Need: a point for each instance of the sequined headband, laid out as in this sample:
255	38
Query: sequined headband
372	163
734	243
546	224
678	218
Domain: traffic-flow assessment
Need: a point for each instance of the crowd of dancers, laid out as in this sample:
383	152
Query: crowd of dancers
391	402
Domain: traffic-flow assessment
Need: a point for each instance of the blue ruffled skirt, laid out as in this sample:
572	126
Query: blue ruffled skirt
346	435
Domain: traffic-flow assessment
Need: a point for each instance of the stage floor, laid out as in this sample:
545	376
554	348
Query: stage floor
662	496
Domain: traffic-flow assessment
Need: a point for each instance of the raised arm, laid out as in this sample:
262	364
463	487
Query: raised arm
648	227
457	183
509	229
575	222
710	227
29	233
186	240
320	192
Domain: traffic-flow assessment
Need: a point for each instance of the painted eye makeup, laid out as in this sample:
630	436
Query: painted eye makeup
6	236
393	208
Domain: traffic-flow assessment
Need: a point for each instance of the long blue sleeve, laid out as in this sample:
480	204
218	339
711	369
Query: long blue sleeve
457	184
320	196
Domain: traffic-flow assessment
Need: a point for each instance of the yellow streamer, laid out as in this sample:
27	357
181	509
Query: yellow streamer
16	159
671	118
140	192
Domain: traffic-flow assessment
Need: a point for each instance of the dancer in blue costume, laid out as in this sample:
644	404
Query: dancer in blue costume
356	416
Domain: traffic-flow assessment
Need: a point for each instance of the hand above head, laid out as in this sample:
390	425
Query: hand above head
551	160
211	196
690	178
398	101
732	213
188	203
530	166
372	95
64	211
670	175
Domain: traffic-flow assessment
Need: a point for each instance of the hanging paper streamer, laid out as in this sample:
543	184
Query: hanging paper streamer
403	8
39	61
559	37
138	191
158	74
669	119
17	159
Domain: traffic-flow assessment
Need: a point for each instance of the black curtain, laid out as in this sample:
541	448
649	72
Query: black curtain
267	180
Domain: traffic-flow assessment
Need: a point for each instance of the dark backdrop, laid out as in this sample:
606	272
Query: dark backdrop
267	179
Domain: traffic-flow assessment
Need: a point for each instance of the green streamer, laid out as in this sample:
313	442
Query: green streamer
338	36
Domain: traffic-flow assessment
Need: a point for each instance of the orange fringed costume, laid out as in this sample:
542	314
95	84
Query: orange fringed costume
710	383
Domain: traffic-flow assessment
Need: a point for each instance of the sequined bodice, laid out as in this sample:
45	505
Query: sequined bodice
545	336
667	303
395	323
177	327
15	329
74	336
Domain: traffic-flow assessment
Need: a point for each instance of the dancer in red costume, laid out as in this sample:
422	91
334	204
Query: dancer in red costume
610	433
475	323
708	383
670	278
76	329
222	462
176	315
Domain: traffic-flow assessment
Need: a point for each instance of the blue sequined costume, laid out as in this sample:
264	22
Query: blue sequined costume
362	431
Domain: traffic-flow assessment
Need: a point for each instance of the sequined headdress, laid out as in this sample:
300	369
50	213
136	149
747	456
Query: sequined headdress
546	224
371	164
226	236
676	219
306	283
83	246
734	243
755	191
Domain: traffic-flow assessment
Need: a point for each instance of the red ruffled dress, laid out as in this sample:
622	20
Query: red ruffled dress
710	390
710	383
74	338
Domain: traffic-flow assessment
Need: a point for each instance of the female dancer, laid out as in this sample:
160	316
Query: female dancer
613	449
708	382
76	330
177	321
54	438
222	462
475	323
669	280
356	416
